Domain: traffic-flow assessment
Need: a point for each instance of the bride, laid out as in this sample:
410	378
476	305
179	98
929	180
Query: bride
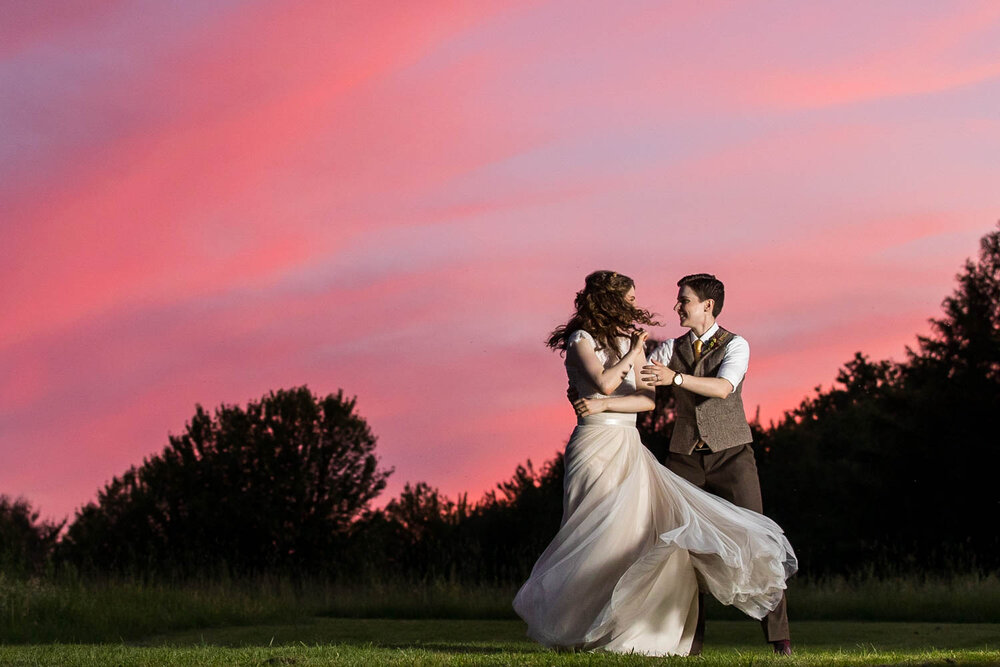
636	541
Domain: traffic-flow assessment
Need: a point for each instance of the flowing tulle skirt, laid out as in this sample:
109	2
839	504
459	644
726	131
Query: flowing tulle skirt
636	542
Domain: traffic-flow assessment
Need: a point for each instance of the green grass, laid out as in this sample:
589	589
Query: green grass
273	622
968	598
76	611
324	641
39	611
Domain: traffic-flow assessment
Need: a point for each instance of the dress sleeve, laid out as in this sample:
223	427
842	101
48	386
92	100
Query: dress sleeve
579	335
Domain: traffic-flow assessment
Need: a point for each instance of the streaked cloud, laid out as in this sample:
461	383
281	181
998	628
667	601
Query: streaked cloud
204	202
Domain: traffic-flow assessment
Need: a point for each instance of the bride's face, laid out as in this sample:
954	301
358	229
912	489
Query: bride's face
630	296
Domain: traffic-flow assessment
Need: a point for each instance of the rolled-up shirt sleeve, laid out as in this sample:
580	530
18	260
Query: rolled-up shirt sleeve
663	353
735	361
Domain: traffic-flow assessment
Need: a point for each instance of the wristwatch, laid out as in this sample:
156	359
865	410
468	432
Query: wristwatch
678	379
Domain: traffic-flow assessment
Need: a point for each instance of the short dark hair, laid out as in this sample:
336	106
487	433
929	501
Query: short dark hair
706	286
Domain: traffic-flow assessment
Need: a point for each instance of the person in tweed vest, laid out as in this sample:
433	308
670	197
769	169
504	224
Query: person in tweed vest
711	442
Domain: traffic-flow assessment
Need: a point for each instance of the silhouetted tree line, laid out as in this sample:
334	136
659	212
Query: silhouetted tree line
894	466
424	535
897	463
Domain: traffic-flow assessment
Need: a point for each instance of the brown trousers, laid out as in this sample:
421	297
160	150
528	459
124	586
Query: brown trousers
732	475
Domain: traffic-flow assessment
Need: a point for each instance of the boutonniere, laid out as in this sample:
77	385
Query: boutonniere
713	343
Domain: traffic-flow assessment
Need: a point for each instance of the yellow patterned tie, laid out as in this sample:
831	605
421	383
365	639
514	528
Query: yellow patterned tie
699	446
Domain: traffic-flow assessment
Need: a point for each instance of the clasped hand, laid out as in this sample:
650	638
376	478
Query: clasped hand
637	341
584	406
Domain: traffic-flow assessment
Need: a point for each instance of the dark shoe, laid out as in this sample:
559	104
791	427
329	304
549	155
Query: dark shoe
782	647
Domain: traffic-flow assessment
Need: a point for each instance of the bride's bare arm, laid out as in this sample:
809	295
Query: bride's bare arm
606	380
641	400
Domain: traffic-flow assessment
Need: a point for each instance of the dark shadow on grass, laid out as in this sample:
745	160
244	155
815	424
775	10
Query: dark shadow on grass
439	647
436	647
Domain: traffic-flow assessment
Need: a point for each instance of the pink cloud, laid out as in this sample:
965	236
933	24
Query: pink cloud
27	23
207	203
190	184
930	60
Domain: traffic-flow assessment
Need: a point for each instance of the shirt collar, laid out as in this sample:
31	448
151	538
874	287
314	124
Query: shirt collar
708	334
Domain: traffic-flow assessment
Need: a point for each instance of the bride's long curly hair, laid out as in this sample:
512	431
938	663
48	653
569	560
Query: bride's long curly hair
603	312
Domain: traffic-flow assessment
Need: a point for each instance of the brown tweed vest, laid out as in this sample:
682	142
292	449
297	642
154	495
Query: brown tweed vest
720	422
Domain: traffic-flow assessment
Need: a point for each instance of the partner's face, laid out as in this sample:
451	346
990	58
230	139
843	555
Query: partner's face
690	309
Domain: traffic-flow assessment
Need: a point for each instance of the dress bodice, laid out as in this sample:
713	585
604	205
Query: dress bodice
580	381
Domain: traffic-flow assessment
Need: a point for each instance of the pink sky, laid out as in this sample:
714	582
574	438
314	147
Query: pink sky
203	202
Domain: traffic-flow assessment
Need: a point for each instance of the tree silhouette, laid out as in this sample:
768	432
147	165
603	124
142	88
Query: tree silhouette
423	534
272	486
25	542
896	463
966	341
423	527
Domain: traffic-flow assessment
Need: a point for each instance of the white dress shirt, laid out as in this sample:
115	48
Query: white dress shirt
735	360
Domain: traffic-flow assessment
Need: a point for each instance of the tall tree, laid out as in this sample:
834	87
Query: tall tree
272	486
954	379
967	339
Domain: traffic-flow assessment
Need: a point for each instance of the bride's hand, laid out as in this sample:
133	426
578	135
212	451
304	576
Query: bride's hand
638	340
589	406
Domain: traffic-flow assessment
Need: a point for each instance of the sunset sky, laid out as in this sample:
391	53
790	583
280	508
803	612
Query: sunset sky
204	201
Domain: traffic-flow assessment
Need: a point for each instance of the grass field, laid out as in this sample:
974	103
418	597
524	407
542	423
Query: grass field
338	641
77	611
273	622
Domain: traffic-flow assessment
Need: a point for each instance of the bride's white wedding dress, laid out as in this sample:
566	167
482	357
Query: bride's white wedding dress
636	541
